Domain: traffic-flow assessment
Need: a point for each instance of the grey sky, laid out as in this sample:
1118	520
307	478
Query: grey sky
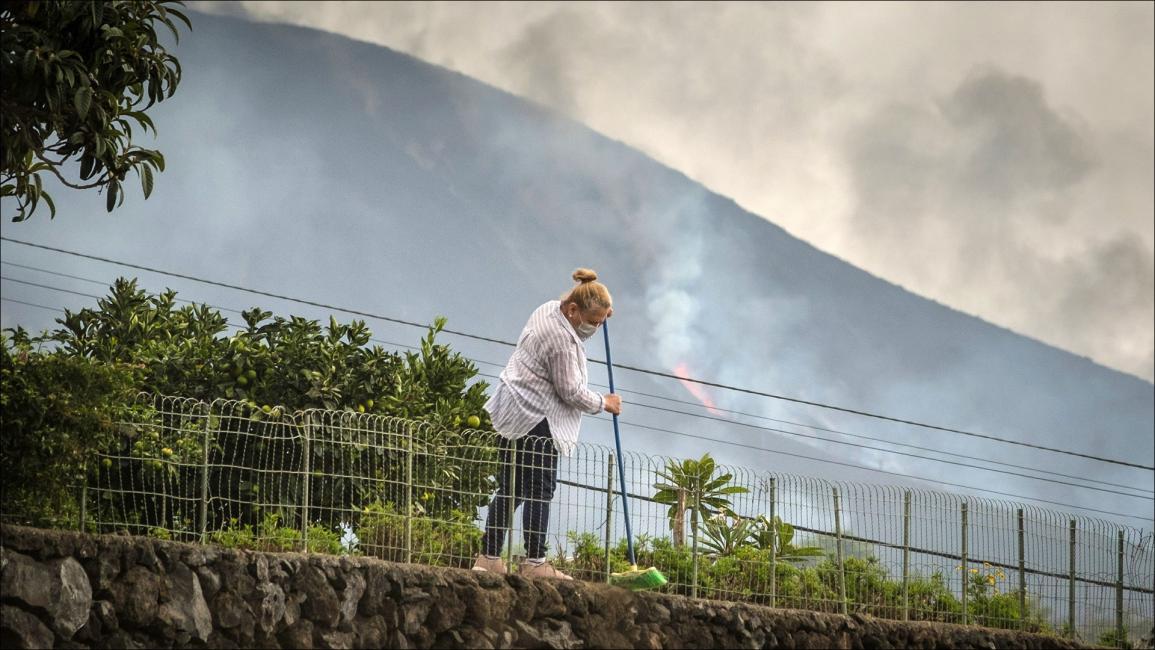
996	157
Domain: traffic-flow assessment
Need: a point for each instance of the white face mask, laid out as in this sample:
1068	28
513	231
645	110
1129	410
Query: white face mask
585	331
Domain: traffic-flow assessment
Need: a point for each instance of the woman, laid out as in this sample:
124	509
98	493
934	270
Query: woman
537	409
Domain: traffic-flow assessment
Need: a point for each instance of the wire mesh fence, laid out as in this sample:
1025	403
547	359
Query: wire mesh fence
348	483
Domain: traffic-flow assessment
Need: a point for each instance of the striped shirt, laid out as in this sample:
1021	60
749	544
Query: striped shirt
545	378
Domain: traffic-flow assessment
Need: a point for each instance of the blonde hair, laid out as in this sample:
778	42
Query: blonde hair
589	293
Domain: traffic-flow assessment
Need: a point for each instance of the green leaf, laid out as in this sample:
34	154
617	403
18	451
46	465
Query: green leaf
110	202
145	179
143	119
172	28
83	100
733	489
182	17
51	205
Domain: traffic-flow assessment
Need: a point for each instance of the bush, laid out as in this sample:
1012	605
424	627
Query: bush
291	362
270	536
989	606
56	413
271	367
453	541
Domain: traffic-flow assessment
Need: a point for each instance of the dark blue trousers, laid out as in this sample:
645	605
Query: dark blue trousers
532	461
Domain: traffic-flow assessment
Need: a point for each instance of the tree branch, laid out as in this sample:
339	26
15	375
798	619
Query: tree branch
52	168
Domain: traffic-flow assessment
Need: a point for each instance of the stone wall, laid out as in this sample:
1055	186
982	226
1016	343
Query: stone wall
65	589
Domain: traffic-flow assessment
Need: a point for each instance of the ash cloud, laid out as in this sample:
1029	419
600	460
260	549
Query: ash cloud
967	152
972	191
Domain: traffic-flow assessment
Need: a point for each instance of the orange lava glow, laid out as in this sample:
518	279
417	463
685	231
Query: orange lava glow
697	390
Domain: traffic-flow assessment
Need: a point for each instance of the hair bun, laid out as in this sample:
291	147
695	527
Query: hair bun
584	275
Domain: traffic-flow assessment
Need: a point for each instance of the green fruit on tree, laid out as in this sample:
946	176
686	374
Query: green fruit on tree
473	422
369	403
242	380
251	374
267	409
107	462
360	408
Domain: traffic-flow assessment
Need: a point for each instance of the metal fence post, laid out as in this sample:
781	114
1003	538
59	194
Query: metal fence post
966	576
1119	634
906	555
204	504
838	538
1071	587
1022	570
408	550
306	464
773	540
694	548
83	495
609	509
512	508
678	524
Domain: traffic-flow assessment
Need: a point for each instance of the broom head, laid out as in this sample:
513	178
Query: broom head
638	579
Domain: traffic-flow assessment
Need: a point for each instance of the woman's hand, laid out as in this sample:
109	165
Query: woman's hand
613	404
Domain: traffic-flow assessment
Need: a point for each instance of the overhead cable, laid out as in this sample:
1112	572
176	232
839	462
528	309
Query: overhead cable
624	367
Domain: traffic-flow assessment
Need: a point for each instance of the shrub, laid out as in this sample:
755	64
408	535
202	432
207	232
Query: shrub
452	541
272	366
56	414
271	536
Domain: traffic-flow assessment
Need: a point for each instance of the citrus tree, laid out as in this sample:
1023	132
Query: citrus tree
272	367
56	412
291	362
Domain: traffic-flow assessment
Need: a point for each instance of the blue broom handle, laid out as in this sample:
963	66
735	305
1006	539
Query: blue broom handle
618	445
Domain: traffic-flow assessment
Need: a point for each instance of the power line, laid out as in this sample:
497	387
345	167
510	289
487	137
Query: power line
723	420
625	367
892	419
30	304
890	451
817	428
61	311
254	291
871	469
45	286
89	295
707	417
889	442
785	453
728	421
50	272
